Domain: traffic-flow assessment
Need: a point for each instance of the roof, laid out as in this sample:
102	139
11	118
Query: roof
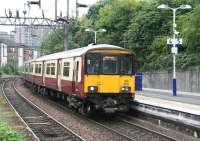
75	52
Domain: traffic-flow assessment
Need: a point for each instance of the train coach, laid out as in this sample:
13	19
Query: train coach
96	77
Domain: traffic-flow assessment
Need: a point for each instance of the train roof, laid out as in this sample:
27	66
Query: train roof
75	52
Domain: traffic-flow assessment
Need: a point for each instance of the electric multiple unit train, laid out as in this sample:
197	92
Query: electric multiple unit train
96	77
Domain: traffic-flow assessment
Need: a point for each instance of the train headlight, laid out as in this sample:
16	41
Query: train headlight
92	89
126	89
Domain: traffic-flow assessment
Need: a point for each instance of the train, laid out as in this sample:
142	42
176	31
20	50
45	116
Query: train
95	77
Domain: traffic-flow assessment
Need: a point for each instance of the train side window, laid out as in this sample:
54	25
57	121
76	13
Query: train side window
48	69
52	68
31	68
39	68
25	68
66	69
36	68
77	70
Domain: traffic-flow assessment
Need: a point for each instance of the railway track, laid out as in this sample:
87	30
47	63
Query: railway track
127	130
123	127
171	133
42	126
134	131
131	129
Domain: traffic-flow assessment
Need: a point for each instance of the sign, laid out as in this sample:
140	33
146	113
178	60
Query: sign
174	41
174	50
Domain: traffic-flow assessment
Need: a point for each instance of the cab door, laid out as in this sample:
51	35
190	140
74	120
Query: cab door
110	80
77	76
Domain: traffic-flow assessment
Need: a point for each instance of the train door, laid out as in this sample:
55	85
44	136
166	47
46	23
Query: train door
59	66
43	73
77	76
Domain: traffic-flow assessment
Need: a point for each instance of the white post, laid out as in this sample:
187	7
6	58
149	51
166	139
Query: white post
174	55
174	48
95	37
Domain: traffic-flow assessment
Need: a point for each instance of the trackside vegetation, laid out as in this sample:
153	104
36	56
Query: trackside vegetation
139	26
10	68
7	134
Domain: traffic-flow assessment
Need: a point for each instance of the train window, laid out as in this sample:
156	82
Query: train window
66	69
48	69
93	63
36	68
52	68
39	68
26	68
77	70
110	64
31	68
126	64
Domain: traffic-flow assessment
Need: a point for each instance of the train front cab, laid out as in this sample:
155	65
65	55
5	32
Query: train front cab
109	79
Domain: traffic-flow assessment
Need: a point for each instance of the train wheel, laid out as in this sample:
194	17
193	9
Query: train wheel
87	109
43	91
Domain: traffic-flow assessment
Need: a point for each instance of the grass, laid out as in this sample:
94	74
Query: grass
8	134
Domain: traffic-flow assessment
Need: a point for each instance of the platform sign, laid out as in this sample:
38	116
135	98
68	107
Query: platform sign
176	41
174	50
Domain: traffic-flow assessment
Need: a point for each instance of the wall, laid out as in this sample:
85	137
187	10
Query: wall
187	81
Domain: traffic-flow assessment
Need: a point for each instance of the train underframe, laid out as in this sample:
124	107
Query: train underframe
112	102
108	103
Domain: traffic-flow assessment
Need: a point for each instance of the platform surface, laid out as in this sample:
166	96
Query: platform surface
184	101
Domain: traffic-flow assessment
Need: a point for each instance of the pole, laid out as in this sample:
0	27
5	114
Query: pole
95	37
174	55
66	27
67	9
66	36
55	9
77	10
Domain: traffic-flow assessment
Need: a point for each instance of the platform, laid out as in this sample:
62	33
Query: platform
184	101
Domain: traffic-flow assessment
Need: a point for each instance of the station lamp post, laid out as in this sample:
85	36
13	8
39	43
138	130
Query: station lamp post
95	32
174	41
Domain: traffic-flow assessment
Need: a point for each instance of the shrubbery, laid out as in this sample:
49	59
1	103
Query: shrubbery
7	134
10	68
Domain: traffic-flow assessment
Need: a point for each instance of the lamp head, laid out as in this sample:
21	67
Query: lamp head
102	30
163	6
185	6
88	30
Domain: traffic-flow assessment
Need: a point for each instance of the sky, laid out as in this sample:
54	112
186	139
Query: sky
47	5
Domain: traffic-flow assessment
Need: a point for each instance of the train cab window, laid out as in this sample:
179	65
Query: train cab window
93	63
48	69
110	65
126	64
66	69
52	68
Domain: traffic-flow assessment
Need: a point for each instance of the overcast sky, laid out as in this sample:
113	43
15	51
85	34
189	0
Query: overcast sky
47	5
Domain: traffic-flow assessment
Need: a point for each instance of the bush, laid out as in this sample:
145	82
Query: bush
10	68
7	134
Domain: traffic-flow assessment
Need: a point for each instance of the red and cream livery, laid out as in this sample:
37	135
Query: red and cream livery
88	78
